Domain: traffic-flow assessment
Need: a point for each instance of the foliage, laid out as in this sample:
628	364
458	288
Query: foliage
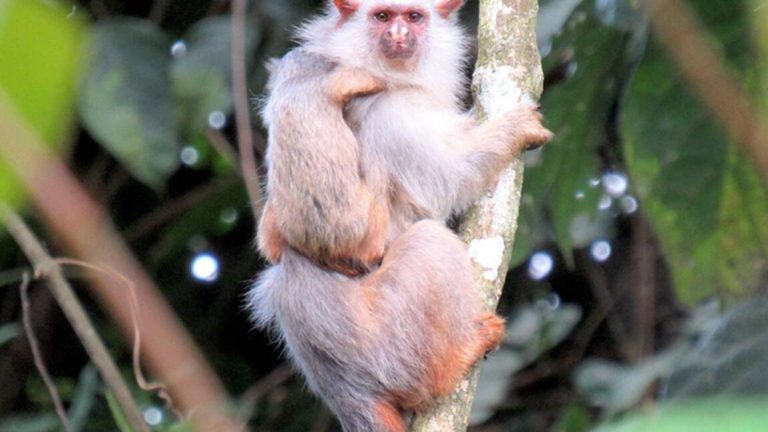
40	47
706	415
126	99
703	198
153	144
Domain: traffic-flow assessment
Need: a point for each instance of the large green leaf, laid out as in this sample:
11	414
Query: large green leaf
706	415
201	69
730	359
40	44
201	72
703	199
562	186
127	103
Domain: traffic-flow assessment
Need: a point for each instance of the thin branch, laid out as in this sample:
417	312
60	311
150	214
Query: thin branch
242	111
704	68
13	276
46	268
34	346
254	393
222	146
99	9
83	227
644	277
159	388
162	215
157	13
605	303
508	72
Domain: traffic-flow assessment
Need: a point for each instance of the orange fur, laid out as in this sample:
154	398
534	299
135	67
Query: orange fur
371	248
388	417
271	242
491	332
348	83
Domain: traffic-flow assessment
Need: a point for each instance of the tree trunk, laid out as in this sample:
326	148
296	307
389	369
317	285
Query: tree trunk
508	72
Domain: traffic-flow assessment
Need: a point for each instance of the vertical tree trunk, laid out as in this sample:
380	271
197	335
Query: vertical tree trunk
508	72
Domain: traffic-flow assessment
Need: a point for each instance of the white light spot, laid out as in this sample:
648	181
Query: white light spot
594	182
189	156
615	183
554	300
205	267
600	250
217	120
153	416
579	194
605	202
546	48
571	69
628	204
581	229
179	48
540	265
551	302
229	216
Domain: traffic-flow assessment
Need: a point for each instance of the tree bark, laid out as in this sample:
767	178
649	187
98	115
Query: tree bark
508	72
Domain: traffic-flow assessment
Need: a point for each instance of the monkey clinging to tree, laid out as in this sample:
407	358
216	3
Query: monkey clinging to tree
371	294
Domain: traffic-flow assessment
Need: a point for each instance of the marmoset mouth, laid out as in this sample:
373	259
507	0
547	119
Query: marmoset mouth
402	50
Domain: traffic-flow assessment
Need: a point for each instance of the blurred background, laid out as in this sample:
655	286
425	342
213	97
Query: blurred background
636	295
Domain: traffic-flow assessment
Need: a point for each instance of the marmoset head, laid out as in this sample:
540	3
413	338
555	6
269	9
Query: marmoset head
398	30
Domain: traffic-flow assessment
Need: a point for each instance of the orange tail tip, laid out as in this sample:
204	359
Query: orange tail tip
491	331
389	418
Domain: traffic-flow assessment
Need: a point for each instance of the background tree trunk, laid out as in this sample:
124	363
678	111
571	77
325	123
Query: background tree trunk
508	72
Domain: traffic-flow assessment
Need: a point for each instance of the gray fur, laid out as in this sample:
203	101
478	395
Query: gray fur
350	362
363	342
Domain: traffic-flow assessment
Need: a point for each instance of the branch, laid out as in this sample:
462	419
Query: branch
242	111
46	268
34	346
84	229
703	67
508	71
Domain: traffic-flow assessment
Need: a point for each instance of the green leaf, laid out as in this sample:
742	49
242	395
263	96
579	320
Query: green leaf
201	72
562	185
126	102
8	332
730	358
40	45
703	199
616	387
532	330
117	413
84	397
44	422
705	415
574	418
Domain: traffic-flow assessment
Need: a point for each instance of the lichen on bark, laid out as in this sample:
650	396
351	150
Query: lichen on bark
508	72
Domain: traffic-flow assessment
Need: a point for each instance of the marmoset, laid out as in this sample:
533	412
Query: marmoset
404	331
319	200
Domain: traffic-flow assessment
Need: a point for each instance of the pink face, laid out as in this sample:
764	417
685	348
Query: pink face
397	30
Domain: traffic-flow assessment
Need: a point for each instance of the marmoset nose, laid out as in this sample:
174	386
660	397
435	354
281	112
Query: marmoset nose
398	33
